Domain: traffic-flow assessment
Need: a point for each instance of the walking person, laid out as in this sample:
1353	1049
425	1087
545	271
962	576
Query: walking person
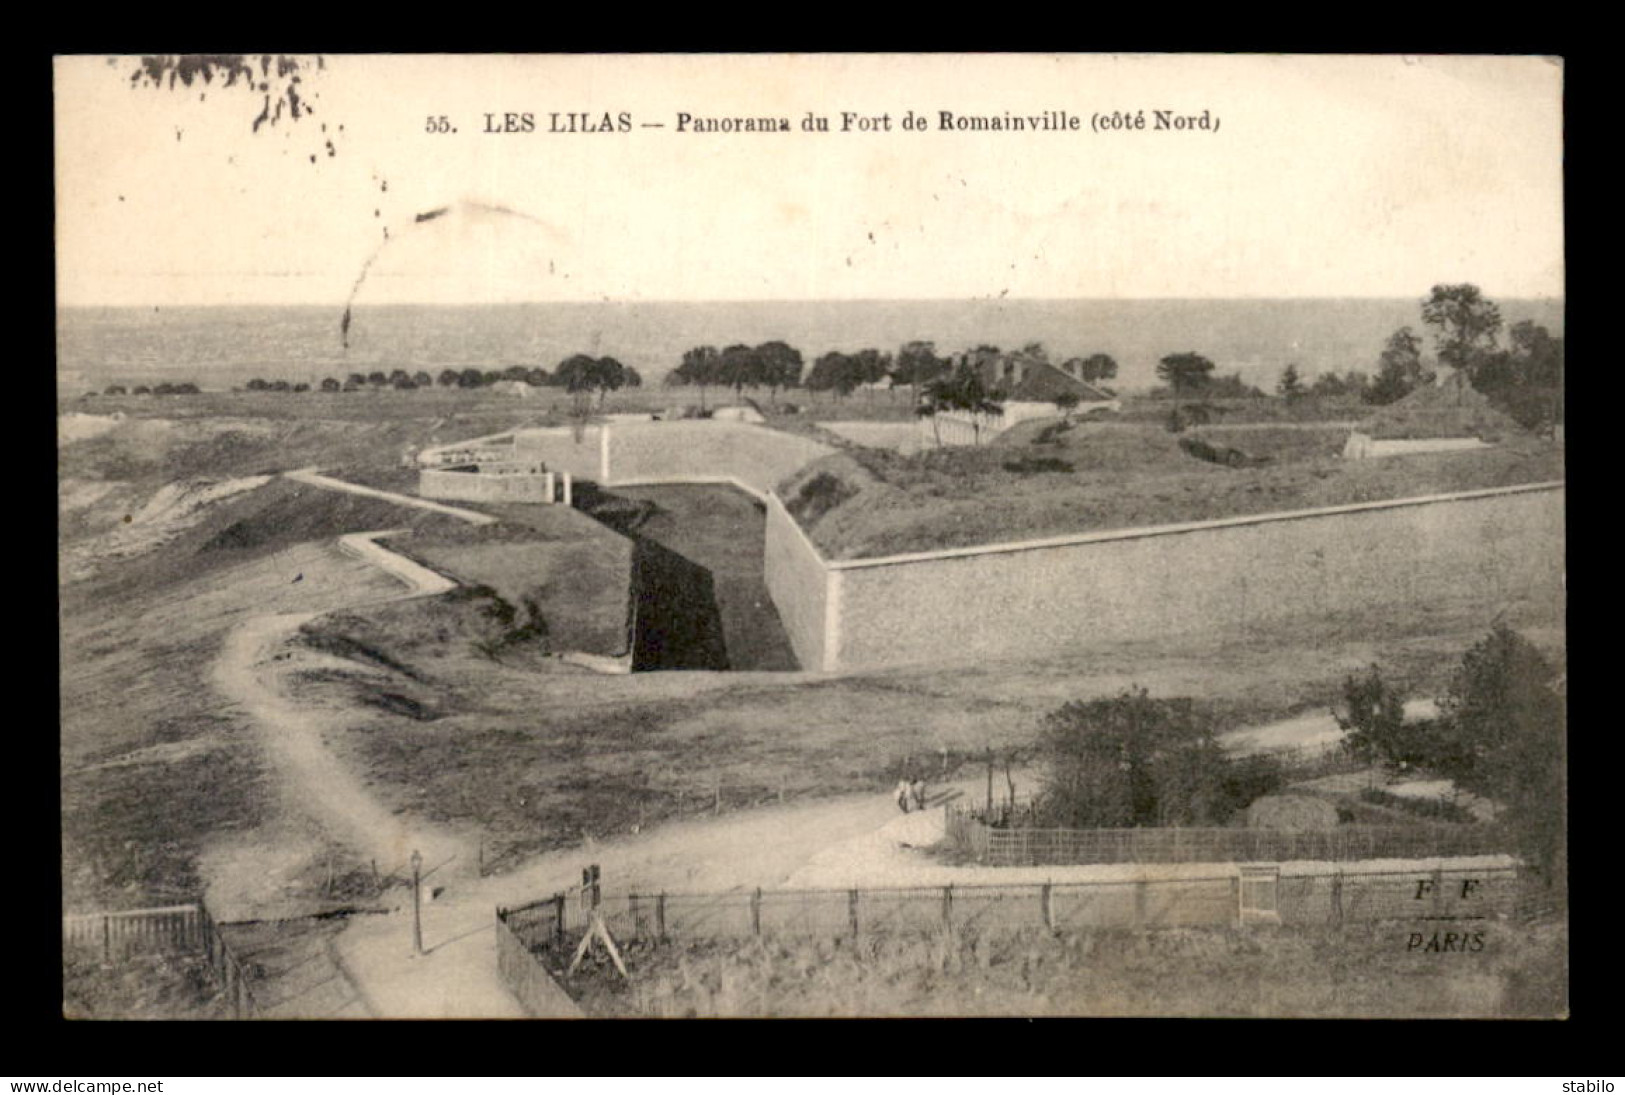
902	795
917	790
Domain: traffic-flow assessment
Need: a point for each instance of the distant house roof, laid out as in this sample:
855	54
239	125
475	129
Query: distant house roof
1027	379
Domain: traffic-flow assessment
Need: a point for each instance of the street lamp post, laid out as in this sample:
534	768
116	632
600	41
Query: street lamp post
417	903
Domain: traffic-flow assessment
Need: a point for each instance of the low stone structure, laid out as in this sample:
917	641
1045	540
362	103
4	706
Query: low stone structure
506	481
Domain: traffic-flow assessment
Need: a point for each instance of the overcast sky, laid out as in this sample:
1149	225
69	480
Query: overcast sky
1327	177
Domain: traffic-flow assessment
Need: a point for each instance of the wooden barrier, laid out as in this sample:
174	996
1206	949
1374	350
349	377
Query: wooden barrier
1015	846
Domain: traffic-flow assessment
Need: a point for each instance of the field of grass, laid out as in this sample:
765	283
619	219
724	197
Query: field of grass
1357	971
542	757
150	986
1100	476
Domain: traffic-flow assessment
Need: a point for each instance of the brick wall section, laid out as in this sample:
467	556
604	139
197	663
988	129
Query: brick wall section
707	450
798	582
1505	545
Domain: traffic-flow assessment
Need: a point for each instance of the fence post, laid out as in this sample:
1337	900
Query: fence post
660	916
1044	897
107	938
948	904
756	912
558	919
1235	895
852	910
1337	898
632	913
1139	903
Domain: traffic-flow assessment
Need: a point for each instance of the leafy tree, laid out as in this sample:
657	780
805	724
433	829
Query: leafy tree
1526	381
301	387
1509	720
357	379
1374	719
449	378
515	372
1099	367
1187	372
578	375
610	375
963	390
1066	403
870	367
279	385
1465	324
1329	385
739	368
700	367
1290	386
140	389
490	377
780	365
1399	368
404	383
422	379
377	378
1136	761
470	378
115	389
538	378
1036	351
330	385
917	364
834	372
257	385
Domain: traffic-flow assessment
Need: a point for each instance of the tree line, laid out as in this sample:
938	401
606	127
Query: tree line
916	365
184	388
578	374
1523	378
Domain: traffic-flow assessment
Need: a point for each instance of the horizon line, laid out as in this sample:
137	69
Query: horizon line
60	305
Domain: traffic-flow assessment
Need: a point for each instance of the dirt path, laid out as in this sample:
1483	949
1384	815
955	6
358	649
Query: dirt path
253	670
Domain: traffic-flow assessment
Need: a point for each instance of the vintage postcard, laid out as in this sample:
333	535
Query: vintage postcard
811	535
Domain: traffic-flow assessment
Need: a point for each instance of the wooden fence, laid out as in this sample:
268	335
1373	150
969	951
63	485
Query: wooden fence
1010	846
1212	900
172	929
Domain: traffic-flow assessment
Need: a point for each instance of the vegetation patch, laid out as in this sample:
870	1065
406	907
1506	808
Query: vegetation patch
1032	465
1359	970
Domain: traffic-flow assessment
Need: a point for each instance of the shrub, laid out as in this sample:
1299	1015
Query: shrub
1029	465
817	496
1133	760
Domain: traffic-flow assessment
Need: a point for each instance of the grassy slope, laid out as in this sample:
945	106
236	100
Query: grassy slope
140	729
1123	476
539	758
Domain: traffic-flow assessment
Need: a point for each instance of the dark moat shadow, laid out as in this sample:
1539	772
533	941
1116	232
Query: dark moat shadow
698	599
675	620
